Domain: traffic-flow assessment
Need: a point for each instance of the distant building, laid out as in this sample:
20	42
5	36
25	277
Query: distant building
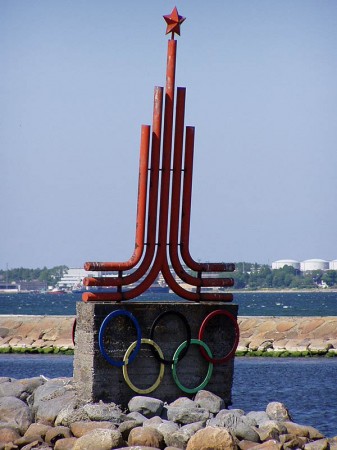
74	277
333	265
35	285
314	264
305	266
286	262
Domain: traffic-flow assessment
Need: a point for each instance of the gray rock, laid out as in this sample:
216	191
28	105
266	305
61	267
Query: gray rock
181	437
213	403
184	402
135	415
154	422
237	424
100	439
72	412
126	427
277	411
167	429
50	389
259	417
20	388
148	406
104	411
185	415
14	413
48	408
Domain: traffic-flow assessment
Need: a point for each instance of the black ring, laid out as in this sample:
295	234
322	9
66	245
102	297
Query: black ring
188	336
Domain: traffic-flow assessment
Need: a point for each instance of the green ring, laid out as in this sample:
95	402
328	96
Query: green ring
176	360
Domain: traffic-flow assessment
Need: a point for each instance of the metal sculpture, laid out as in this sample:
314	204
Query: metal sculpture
163	241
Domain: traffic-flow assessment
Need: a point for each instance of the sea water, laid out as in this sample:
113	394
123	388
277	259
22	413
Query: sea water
318	303
307	386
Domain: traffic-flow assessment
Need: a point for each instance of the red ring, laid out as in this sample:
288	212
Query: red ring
236	340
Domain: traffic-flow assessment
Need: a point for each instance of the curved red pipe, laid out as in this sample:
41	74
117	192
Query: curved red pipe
141	211
186	214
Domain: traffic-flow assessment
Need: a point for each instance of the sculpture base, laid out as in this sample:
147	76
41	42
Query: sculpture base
96	379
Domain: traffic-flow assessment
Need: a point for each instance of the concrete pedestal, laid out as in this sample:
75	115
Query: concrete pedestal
96	379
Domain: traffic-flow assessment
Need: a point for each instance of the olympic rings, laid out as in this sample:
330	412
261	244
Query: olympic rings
188	336
176	359
180	352
236	340
161	371
119	312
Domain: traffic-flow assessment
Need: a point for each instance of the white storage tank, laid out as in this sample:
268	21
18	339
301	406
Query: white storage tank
333	265
285	262
314	264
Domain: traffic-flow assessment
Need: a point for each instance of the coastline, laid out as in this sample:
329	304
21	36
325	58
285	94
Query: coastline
269	336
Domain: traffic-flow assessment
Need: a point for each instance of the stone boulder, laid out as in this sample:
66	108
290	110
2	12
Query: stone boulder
296	429
277	411
8	435
79	429
185	415
14	413
65	444
56	433
104	412
20	388
212	438
100	439
148	406
147	436
213	403
180	438
237	423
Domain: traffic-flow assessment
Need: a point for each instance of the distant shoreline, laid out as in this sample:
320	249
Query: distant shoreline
282	291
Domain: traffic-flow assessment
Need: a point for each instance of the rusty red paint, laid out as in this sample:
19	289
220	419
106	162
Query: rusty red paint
172	209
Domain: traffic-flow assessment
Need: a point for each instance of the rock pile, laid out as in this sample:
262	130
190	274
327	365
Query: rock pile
259	336
38	413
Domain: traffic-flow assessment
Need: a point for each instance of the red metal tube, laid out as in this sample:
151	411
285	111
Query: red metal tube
175	203
186	214
141	211
192	296
152	203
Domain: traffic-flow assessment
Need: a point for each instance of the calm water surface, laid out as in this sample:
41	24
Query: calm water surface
307	386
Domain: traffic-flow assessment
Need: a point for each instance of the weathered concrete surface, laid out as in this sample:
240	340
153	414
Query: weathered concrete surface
96	379
274	333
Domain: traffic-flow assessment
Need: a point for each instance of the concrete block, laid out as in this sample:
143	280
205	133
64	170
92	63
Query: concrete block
96	379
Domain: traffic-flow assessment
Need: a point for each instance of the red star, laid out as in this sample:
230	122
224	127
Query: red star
173	22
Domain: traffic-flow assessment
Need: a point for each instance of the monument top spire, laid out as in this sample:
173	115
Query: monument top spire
173	21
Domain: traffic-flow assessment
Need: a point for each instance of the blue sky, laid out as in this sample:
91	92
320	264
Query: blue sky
77	82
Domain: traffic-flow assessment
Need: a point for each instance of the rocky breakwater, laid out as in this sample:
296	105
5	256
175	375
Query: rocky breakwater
37	413
36	334
259	336
287	336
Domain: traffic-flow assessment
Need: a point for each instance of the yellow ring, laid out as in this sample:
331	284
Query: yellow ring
125	367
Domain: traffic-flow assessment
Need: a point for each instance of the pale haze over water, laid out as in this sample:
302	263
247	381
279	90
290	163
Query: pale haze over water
77	82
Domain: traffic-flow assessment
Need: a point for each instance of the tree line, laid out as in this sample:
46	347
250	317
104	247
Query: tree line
247	276
50	276
261	276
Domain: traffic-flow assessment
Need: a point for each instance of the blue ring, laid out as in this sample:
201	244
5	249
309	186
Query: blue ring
113	314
